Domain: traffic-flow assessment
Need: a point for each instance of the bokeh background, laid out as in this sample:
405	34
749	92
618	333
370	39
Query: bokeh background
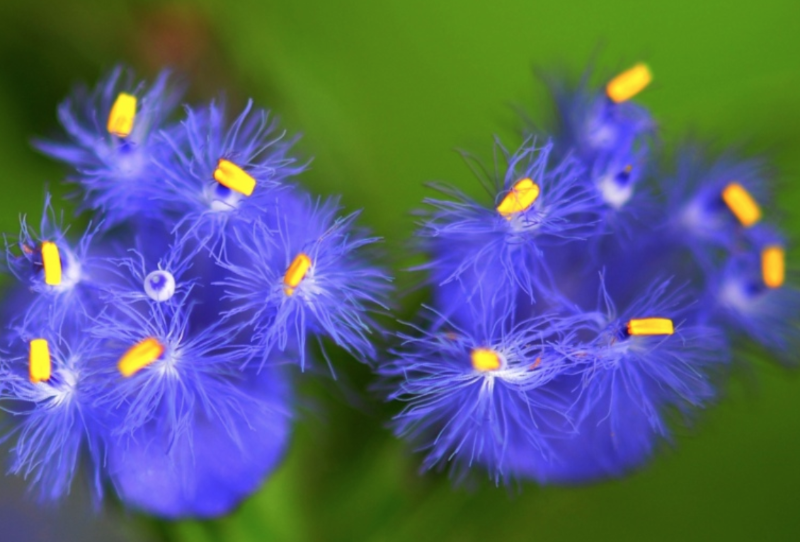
383	92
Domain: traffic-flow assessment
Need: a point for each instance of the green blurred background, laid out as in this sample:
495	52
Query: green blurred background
383	91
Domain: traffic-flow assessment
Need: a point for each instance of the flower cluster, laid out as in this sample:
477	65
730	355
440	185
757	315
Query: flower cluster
590	305
155	351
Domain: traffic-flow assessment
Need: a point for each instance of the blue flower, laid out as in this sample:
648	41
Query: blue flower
481	393
218	174
639	367
306	271
49	385
499	247
58	275
750	294
180	404
208	472
611	137
111	143
711	204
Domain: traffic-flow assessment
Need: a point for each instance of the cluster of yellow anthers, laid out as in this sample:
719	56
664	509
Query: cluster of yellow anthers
121	120
149	350
485	360
39	365
134	360
621	88
525	192
747	211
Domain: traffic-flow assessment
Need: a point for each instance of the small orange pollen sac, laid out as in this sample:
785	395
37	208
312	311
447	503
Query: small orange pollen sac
741	204
51	261
296	273
122	115
650	326
232	176
485	360
39	364
629	83
773	266
139	356
520	198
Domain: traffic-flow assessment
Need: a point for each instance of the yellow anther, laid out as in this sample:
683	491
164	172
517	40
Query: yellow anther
232	176
39	361
139	356
650	326
122	115
296	273
741	204
485	360
773	266
519	198
51	261
629	83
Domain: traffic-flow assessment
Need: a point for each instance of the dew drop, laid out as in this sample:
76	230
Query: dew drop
159	285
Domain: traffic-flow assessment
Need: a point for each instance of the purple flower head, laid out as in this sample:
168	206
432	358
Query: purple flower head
481	393
610	136
210	471
710	205
537	205
638	367
111	143
307	271
222	176
750	293
175	389
58	275
49	385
